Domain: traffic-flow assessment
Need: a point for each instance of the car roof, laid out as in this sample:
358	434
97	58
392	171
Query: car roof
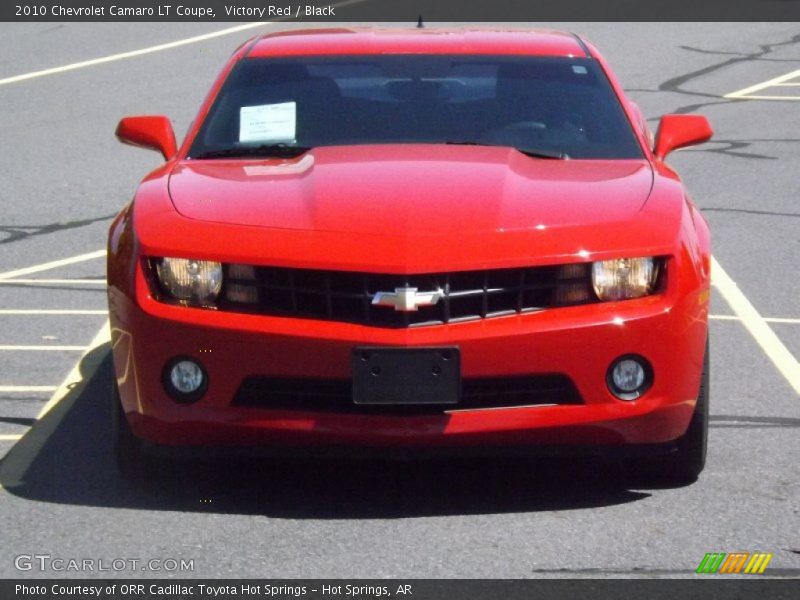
343	41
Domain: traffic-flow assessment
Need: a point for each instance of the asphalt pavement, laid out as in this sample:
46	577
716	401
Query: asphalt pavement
62	178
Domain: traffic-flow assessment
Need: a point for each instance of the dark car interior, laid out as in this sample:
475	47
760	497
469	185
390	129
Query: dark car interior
553	104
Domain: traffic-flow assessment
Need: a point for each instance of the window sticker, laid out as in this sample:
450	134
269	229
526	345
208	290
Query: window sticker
579	69
268	122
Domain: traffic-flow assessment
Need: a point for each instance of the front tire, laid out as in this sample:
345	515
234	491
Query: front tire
127	448
685	464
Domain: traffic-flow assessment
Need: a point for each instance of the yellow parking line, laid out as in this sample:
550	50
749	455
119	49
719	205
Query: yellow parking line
769	97
24	389
21	312
10	438
52	281
767	319
775	81
777	352
52	264
80	372
12	348
123	55
18	461
151	49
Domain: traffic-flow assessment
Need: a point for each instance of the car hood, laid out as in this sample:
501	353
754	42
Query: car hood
410	190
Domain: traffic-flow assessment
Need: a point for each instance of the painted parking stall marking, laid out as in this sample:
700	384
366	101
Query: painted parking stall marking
150	49
49	311
52	281
23	399
781	320
41	348
783	87
80	373
131	54
769	342
53	264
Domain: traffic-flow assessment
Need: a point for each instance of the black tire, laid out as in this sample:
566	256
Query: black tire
128	454
684	465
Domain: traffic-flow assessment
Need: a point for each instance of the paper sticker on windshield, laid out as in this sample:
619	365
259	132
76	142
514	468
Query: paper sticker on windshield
579	69
268	123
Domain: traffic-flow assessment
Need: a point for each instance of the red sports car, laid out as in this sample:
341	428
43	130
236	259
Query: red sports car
394	241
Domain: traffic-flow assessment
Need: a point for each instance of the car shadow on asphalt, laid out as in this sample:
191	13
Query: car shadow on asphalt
67	458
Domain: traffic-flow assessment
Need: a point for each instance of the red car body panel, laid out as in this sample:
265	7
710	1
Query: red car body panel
363	189
371	209
420	41
372	231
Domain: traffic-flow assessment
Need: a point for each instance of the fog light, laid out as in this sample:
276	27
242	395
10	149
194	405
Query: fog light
629	377
184	380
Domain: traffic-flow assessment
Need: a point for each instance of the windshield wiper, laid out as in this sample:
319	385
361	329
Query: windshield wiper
543	153
264	150
535	153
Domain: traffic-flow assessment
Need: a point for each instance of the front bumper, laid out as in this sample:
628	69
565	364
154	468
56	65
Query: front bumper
580	342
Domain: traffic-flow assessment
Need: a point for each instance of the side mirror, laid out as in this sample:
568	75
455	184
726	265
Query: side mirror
679	131
154	132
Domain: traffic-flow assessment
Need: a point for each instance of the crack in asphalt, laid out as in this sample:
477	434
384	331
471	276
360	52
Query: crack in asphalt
723	53
16	233
677	84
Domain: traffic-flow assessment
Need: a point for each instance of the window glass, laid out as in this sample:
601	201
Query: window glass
557	105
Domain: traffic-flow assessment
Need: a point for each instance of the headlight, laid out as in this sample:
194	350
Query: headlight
624	278
195	282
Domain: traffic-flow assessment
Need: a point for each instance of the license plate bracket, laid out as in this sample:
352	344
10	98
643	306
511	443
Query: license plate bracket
391	376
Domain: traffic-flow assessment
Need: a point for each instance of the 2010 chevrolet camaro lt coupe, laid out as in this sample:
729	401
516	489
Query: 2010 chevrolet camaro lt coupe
413	241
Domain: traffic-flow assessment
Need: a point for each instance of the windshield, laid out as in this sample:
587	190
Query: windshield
548	107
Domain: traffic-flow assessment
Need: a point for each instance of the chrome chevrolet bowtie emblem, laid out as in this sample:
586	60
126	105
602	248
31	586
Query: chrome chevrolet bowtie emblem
406	299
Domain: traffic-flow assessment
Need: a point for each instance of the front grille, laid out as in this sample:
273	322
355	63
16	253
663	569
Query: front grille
335	395
347	296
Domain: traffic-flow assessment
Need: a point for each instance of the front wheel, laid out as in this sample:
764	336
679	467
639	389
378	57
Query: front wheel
127	448
686	463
